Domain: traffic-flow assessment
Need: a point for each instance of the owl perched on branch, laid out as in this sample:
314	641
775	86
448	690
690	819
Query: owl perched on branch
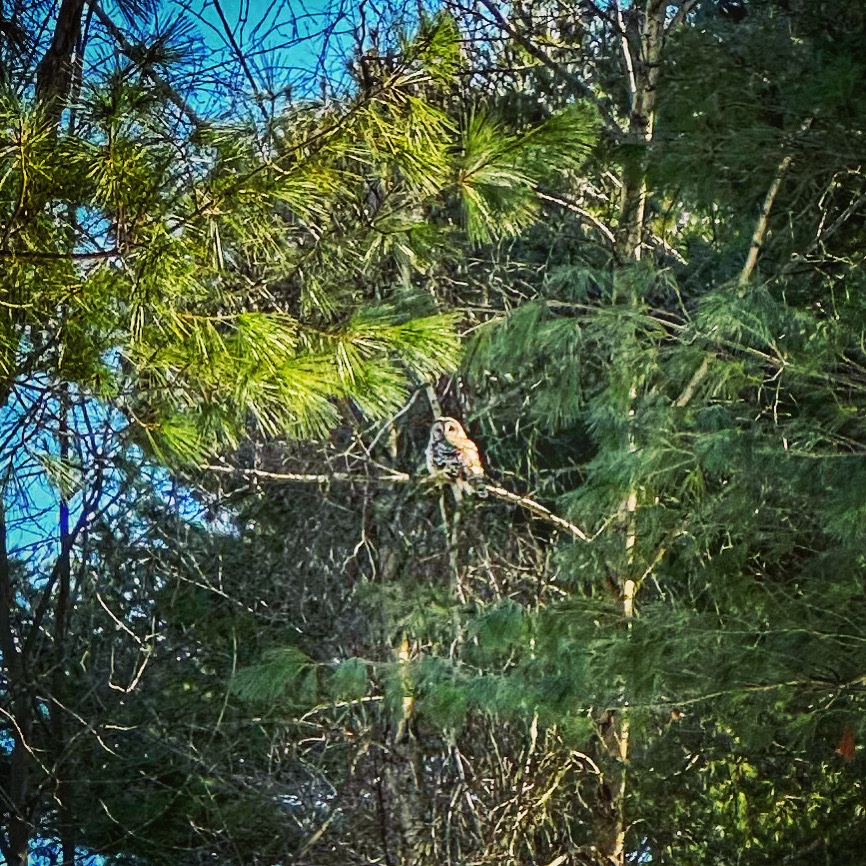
451	453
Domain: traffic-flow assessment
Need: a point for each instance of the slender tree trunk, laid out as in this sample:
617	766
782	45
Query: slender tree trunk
61	619
402	783
643	59
17	794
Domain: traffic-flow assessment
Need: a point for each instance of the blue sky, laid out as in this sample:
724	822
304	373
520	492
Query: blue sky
286	43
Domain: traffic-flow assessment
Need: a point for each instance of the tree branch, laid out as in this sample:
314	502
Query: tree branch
240	57
763	223
680	15
54	73
700	373
162	85
579	86
536	508
307	477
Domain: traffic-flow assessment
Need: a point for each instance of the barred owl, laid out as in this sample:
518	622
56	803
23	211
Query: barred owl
452	453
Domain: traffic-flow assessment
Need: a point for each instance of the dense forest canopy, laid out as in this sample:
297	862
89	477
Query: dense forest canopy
248	256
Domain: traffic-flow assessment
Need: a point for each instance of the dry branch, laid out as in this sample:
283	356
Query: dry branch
392	477
538	510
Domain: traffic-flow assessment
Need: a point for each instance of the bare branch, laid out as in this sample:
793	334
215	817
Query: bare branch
399	478
760	233
626	51
700	373
307	477
680	15
240	56
580	88
581	212
539	510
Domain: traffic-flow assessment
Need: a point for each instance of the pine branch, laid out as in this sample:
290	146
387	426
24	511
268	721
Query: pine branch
162	85
536	508
760	233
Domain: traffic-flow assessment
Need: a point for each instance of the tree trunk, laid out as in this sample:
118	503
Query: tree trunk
644	61
55	73
643	58
61	620
403	811
15	799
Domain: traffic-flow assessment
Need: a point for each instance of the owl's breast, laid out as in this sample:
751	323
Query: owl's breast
446	458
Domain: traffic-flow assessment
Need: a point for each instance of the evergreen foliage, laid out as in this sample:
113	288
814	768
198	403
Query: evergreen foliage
629	259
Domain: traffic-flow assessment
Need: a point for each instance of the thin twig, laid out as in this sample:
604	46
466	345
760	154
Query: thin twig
162	85
557	68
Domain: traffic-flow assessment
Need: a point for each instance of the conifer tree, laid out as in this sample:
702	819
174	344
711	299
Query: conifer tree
173	286
342	666
166	288
695	412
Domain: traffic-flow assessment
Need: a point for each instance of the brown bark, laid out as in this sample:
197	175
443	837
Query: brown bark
55	73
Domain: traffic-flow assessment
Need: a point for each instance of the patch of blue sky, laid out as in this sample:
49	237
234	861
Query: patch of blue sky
101	472
48	852
305	38
271	51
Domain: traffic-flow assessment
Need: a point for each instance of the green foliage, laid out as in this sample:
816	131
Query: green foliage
362	666
497	171
283	672
194	250
349	680
438	46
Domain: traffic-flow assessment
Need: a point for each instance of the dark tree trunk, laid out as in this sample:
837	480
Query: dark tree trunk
55	73
16	796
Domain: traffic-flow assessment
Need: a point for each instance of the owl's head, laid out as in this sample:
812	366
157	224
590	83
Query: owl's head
447	428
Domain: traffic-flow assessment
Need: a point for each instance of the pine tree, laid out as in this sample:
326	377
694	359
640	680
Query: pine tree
170	285
708	368
696	413
173	287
